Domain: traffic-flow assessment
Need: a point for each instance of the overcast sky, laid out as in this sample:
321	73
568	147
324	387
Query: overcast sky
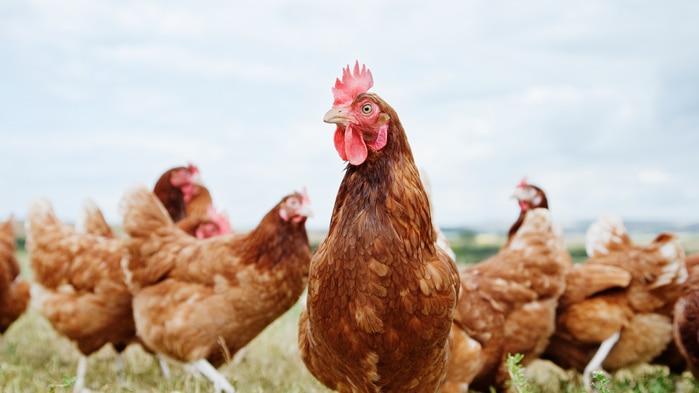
595	101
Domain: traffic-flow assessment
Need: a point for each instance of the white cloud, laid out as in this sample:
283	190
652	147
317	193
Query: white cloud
654	176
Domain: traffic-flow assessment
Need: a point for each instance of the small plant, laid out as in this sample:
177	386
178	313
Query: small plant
65	383
517	378
600	382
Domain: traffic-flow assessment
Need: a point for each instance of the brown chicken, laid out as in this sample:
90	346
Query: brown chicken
528	197
199	301
189	203
175	186
617	307
81	289
508	302
14	289
381	294
686	317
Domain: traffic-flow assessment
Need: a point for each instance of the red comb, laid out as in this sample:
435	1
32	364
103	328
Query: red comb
193	168
220	218
523	183
304	197
352	84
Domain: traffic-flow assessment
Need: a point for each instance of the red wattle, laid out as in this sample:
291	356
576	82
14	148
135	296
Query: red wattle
350	145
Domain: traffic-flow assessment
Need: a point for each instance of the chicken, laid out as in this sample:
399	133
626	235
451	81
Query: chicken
617	307
209	224
528	197
199	301
81	289
508	302
381	294
175	186
14	289
686	317
189	202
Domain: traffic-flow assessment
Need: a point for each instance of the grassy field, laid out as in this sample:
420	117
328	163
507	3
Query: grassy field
34	359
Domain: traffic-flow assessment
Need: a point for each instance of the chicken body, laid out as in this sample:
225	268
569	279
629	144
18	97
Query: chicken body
200	301
617	307
686	317
381	295
81	289
14	290
508	304
528	197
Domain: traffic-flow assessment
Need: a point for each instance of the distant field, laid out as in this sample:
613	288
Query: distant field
34	359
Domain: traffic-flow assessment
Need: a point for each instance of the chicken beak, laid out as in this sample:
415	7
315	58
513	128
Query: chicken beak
517	194
305	204
196	179
306	211
337	115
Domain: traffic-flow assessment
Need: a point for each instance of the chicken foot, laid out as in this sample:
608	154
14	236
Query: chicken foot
207	370
597	360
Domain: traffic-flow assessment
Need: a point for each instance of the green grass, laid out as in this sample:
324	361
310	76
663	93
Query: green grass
34	359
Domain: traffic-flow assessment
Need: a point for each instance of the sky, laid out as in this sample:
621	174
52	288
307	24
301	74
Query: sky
595	101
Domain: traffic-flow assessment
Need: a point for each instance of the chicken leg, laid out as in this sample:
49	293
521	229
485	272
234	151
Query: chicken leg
207	370
597	360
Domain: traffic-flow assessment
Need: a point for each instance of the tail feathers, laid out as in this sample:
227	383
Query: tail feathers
147	226
606	234
92	221
7	229
52	245
40	213
41	222
142	211
674	269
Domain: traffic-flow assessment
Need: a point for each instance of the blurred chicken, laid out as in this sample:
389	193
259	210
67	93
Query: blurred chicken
686	317
381	294
617	308
189	203
80	287
200	301
175	186
14	290
508	302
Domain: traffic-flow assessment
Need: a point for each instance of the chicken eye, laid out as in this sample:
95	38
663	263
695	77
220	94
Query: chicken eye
367	109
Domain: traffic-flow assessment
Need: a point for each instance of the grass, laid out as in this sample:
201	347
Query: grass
33	358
